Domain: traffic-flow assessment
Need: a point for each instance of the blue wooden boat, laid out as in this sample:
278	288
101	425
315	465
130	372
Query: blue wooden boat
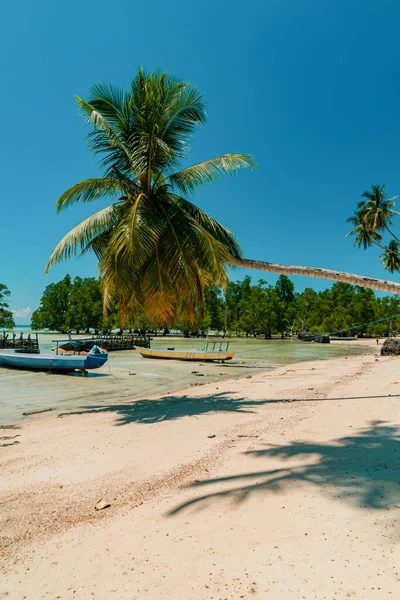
53	361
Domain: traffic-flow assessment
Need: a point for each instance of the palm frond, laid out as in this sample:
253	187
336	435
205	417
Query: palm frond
127	183
185	110
83	234
365	234
163	115
98	245
185	106
105	139
210	170
158	290
89	190
191	244
138	232
156	274
110	102
120	281
150	154
218	231
188	249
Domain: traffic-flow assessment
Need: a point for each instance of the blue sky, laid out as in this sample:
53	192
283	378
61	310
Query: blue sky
312	89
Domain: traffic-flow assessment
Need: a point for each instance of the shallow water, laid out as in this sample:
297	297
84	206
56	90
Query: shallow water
127	375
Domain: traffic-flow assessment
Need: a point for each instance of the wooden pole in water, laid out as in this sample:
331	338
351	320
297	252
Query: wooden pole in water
36	412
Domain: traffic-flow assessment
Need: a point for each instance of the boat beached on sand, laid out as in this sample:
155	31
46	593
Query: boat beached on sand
216	352
54	361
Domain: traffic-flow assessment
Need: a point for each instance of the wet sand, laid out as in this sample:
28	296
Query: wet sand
282	485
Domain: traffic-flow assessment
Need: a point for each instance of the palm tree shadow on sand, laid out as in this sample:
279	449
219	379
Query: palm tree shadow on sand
170	408
362	469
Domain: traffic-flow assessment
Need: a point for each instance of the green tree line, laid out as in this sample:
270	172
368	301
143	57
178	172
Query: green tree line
6	316
74	304
267	310
242	308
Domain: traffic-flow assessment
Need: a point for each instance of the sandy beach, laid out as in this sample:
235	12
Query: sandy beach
283	484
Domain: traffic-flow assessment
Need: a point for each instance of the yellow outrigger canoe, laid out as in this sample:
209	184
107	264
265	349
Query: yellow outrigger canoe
199	355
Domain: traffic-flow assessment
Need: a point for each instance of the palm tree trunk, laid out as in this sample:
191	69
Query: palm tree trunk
392	234
385	248
367	282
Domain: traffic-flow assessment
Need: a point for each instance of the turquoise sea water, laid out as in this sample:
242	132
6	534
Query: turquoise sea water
127	375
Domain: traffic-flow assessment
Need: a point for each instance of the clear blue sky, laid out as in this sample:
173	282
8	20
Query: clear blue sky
312	89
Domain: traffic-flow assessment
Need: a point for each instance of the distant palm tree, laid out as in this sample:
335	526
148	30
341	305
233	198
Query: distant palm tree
373	216
156	250
365	234
391	257
377	210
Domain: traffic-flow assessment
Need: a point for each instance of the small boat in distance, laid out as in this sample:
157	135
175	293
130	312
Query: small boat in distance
76	346
210	352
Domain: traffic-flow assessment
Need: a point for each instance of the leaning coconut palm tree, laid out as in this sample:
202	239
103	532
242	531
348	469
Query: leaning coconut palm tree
156	250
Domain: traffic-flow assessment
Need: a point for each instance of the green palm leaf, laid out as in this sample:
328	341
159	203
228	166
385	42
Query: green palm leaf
218	231
83	234
138	231
210	170
106	139
365	234
184	111
110	102
90	190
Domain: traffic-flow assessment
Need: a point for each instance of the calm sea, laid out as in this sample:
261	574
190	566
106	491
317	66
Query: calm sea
127	375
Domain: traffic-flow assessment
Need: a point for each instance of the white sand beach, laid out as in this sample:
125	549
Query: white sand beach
283	485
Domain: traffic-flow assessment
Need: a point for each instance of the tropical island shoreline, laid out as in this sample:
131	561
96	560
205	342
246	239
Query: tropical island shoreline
282	482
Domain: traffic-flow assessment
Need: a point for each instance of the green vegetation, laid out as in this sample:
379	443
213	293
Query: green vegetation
269	310
157	252
371	223
240	309
261	308
72	304
6	316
